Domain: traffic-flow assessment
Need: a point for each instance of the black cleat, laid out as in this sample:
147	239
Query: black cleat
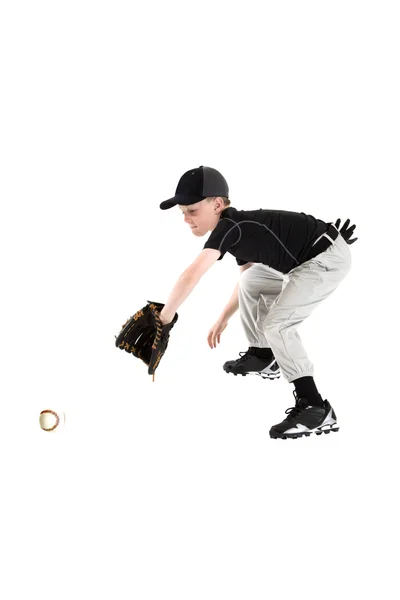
250	364
304	419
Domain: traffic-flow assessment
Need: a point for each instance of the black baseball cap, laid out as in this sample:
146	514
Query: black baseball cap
197	184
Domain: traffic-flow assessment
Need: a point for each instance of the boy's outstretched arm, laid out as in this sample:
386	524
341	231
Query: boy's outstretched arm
187	281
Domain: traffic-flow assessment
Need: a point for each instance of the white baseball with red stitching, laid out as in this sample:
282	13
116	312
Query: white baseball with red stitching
51	420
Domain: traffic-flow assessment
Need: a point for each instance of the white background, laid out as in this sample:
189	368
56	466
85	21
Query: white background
173	489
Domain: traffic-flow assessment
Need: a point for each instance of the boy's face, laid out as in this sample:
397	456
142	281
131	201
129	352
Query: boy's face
202	216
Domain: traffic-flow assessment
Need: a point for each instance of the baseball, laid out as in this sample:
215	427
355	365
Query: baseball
51	420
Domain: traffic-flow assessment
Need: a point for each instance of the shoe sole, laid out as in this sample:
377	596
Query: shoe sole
263	375
293	436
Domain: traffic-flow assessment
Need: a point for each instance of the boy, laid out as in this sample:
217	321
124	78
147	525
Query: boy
289	263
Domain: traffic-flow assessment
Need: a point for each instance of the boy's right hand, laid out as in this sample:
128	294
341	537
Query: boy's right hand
214	335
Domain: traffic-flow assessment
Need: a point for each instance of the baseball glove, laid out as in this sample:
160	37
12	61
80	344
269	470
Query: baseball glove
145	337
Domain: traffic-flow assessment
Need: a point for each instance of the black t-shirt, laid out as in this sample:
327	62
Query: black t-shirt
280	239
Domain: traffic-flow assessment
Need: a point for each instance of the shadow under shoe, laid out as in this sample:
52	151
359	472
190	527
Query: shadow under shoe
250	364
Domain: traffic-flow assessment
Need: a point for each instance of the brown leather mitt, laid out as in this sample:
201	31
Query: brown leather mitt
144	336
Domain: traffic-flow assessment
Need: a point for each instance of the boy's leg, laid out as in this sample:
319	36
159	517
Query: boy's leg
259	286
308	285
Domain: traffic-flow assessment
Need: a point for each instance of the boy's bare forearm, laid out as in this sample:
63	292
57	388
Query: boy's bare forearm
178	295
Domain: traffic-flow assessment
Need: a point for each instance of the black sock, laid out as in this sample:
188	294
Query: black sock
306	388
262	352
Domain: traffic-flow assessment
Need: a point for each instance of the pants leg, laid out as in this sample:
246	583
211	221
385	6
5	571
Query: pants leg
259	285
309	284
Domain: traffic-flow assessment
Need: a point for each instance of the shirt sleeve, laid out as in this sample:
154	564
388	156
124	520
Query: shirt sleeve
223	237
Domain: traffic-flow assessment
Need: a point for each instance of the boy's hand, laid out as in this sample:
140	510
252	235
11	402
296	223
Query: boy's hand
214	334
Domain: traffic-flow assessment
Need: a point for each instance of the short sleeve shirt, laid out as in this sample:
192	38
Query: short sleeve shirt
278	238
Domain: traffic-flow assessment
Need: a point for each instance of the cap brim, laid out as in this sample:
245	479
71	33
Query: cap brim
180	199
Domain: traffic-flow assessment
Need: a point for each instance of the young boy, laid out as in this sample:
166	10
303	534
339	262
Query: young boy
289	263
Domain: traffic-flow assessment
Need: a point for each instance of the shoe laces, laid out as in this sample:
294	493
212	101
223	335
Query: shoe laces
293	411
244	356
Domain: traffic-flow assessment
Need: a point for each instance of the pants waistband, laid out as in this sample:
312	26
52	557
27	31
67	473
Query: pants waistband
324	241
